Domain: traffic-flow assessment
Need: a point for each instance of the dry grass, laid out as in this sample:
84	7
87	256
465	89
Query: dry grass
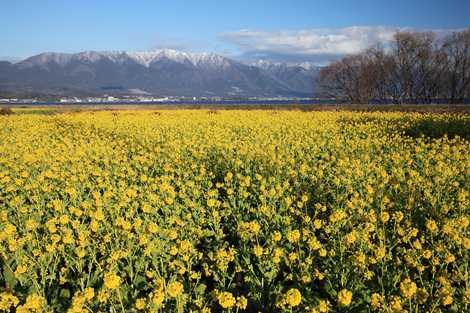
67	108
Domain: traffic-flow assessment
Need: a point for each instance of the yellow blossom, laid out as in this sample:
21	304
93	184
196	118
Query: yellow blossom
111	280
140	304
408	288
293	297
226	300
174	289
344	298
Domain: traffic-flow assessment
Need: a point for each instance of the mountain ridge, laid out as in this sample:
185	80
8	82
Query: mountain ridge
163	72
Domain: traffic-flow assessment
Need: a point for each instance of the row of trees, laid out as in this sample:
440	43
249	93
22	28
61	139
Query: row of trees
415	67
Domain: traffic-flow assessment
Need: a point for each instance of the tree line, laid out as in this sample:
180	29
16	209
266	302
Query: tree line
414	67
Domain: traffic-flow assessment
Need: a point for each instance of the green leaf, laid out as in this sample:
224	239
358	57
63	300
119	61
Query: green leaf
9	276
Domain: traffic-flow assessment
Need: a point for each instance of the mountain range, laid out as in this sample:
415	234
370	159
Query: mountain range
161	72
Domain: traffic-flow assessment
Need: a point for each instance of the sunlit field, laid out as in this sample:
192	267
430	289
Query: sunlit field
234	211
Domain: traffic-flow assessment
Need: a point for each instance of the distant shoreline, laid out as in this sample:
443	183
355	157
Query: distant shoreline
244	102
185	102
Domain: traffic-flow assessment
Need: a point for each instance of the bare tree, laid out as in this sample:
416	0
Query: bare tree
417	67
381	67
352	78
338	80
413	57
456	48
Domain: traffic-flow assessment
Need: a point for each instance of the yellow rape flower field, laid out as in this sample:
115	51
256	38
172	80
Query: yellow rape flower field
232	211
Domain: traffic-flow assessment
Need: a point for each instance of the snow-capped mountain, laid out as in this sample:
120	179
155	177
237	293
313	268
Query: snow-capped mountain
296	76
145	58
165	71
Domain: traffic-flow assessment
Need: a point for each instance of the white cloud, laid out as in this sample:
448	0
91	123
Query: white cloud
317	43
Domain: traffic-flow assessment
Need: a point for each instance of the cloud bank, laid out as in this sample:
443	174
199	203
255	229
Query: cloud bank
318	45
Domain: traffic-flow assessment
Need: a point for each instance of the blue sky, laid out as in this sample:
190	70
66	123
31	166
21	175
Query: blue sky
283	30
